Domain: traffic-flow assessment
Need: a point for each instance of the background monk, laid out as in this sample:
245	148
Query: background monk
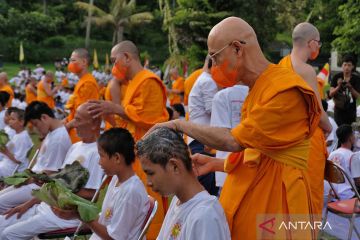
177	88
144	105
30	91
4	86
306	46
267	174
189	83
86	88
45	92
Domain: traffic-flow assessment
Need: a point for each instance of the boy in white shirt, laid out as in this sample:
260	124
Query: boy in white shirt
8	130
126	202
341	157
51	155
34	217
16	150
193	212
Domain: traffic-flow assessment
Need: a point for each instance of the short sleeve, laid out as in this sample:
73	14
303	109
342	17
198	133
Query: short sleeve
95	172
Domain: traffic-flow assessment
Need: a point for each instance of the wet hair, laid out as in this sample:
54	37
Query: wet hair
163	144
170	112
4	98
343	133
179	108
118	140
35	109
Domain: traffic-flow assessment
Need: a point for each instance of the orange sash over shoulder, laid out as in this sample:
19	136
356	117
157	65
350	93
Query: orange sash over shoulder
279	115
30	96
43	96
178	84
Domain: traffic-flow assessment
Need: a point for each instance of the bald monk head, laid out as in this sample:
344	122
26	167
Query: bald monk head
3	79
235	53
87	128
49	77
79	62
126	59
174	73
306	40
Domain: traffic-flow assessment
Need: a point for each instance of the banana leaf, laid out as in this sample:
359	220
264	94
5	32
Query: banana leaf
57	195
72	176
4	138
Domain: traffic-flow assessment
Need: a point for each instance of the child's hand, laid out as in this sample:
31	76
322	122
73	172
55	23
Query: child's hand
20	210
65	214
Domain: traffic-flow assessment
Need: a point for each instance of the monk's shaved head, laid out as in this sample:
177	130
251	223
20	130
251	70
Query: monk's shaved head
3	76
83	54
83	110
49	74
128	47
231	29
304	32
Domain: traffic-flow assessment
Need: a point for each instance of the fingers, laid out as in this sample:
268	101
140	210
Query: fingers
10	212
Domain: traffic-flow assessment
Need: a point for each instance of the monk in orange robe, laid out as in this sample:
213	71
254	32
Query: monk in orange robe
306	45
177	89
143	105
115	93
267	181
189	83
85	89
45	92
4	86
30	91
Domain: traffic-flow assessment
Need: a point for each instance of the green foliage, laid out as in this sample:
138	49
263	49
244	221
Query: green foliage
348	32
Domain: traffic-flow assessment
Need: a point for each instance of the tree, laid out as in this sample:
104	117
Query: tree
122	14
348	30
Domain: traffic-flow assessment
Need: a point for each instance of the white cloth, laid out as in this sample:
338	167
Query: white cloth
124	209
9	131
19	146
355	165
226	113
332	136
2	116
53	150
341	157
200	218
59	75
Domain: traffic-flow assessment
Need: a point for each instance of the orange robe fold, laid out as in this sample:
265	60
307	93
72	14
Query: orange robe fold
107	96
86	89
189	83
44	97
7	88
269	177
317	156
30	96
178	84
145	105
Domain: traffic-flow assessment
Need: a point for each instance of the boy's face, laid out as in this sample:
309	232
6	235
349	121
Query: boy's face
159	178
14	121
107	163
41	126
6	118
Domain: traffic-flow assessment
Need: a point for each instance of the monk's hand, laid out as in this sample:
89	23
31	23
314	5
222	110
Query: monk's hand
98	108
65	214
202	164
170	124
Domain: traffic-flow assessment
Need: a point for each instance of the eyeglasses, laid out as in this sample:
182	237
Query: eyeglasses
213	56
318	42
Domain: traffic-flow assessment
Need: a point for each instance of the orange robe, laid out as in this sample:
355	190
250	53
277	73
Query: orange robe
178	84
321	84
86	89
145	105
269	177
30	96
189	83
44	97
317	158
7	88
107	96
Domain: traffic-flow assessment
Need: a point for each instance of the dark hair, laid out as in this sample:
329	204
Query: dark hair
35	109
10	110
343	133
170	112
163	144
118	140
4	98
324	104
349	58
20	113
179	108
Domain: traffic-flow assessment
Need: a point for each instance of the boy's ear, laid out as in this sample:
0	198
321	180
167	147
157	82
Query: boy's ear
118	158
174	165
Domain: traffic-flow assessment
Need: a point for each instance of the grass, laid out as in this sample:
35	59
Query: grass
12	69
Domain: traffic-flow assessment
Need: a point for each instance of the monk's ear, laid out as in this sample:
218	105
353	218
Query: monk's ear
127	57
238	48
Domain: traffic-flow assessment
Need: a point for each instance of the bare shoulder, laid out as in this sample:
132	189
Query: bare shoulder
306	71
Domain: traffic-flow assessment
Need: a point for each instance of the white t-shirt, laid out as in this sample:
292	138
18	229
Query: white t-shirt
124	209
19	146
53	150
87	155
2	116
341	157
332	136
9	131
200	218
355	165
226	113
